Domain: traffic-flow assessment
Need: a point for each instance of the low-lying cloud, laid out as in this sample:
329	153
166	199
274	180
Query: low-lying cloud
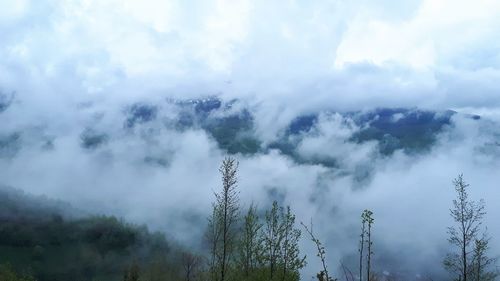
88	112
156	173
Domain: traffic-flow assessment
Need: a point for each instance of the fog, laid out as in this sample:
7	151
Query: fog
73	67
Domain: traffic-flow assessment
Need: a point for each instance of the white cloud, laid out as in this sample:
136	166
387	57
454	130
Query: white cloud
260	50
12	10
435	36
75	64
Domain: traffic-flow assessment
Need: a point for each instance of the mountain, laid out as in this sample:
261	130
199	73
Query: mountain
231	124
411	130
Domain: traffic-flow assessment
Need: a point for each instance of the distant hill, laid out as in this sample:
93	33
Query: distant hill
231	124
52	241
409	129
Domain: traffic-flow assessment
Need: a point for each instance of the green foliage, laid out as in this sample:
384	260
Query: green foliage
281	255
132	273
291	260
249	244
264	251
414	132
234	133
272	239
94	247
8	274
108	234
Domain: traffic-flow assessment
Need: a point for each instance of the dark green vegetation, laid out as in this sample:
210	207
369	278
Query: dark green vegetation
410	130
47	240
250	247
9	274
234	133
407	130
233	130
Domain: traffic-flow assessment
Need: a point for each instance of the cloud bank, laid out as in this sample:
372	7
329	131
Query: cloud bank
72	71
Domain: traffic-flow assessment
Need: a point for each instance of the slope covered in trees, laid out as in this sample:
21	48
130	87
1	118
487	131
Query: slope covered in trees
50	241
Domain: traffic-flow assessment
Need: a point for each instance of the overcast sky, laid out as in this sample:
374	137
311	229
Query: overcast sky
69	65
433	53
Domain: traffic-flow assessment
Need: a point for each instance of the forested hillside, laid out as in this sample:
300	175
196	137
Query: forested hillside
48	240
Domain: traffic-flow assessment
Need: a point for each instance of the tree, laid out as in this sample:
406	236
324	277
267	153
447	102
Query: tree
361	245
272	238
367	218
291	260
190	263
8	274
250	245
481	263
132	273
468	216
222	224
212	236
280	240
323	275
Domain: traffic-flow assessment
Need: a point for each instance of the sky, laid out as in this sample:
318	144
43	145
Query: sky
70	65
434	53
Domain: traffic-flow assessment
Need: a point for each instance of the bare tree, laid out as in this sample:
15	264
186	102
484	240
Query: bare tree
191	265
361	246
468	216
368	219
323	275
228	200
347	272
